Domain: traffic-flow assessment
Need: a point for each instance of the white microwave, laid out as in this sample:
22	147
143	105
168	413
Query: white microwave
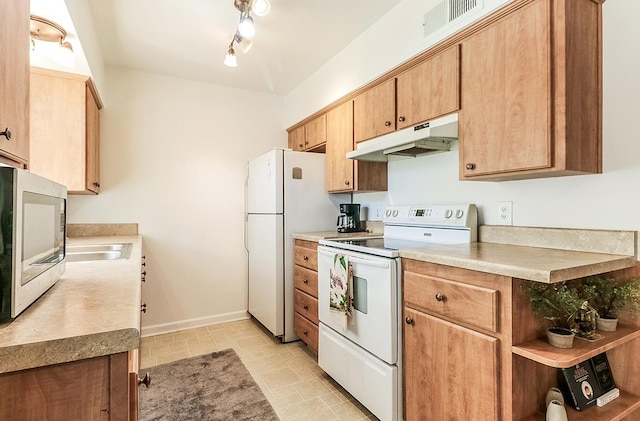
33	221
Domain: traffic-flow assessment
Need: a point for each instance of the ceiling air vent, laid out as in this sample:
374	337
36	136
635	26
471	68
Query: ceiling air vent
446	12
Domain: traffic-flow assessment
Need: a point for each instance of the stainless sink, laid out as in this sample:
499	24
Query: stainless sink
89	252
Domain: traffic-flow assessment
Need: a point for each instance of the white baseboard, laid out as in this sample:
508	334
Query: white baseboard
193	323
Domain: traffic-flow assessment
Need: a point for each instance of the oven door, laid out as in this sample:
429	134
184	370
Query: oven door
374	319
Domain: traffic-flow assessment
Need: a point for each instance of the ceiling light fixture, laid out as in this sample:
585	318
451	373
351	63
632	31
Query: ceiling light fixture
230	59
42	29
246	29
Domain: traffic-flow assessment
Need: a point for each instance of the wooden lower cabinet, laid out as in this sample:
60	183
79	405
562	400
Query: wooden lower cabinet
450	371
306	292
453	345
474	350
97	388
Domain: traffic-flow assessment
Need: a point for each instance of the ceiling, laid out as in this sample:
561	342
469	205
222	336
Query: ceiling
189	38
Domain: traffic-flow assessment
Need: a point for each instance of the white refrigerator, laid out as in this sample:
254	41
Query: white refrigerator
285	194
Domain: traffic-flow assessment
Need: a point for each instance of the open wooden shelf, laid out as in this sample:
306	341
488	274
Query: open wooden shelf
615	410
540	351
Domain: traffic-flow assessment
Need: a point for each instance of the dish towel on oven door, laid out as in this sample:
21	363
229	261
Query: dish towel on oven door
340	291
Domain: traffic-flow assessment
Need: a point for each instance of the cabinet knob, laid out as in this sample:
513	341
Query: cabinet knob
401	118
143	308
305	258
387	123
306	281
441	297
146	380
306	307
305	332
300	145
346	182
470	166
408	321
6	133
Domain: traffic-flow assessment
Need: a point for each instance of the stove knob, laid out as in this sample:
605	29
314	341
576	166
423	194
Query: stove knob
448	213
459	213
395	213
388	212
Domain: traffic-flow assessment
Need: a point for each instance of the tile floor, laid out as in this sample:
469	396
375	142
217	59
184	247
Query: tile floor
288	374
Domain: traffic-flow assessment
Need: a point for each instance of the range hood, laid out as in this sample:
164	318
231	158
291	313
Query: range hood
425	138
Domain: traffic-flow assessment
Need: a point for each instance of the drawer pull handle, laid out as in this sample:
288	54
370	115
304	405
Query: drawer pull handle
305	258
440	297
306	307
306	333
409	320
306	281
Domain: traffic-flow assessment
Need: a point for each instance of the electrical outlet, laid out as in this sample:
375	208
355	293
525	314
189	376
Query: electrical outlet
375	212
505	213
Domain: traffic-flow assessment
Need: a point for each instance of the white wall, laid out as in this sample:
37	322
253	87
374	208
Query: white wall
607	201
174	155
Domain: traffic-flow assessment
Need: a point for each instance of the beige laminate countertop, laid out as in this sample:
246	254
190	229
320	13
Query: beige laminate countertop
531	263
93	310
323	235
533	253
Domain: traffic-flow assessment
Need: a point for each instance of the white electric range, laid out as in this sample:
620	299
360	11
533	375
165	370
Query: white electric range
363	351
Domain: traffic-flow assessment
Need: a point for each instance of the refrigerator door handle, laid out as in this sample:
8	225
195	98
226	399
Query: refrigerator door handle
246	215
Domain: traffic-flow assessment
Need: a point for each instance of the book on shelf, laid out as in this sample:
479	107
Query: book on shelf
583	383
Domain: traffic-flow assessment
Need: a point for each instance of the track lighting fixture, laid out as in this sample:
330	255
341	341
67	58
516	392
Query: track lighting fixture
246	29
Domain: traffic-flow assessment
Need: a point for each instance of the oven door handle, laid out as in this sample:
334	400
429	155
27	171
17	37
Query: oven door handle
354	259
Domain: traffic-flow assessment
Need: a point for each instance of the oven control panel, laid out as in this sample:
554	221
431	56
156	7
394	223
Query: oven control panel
433	215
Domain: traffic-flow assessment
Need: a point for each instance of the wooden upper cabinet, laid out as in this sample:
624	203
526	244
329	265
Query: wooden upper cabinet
430	89
296	139
339	142
65	130
374	111
347	175
310	136
531	93
14	82
316	132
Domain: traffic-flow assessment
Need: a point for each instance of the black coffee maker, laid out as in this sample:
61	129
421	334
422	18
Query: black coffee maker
349	221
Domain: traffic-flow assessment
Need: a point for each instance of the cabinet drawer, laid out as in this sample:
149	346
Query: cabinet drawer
306	280
306	255
306	305
306	331
457	301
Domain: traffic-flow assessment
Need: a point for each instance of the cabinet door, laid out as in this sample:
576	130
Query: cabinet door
58	128
505	116
450	372
14	82
296	139
93	143
374	111
339	142
315	132
429	90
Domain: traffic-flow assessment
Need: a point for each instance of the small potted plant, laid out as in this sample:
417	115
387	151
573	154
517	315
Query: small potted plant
610	296
558	304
